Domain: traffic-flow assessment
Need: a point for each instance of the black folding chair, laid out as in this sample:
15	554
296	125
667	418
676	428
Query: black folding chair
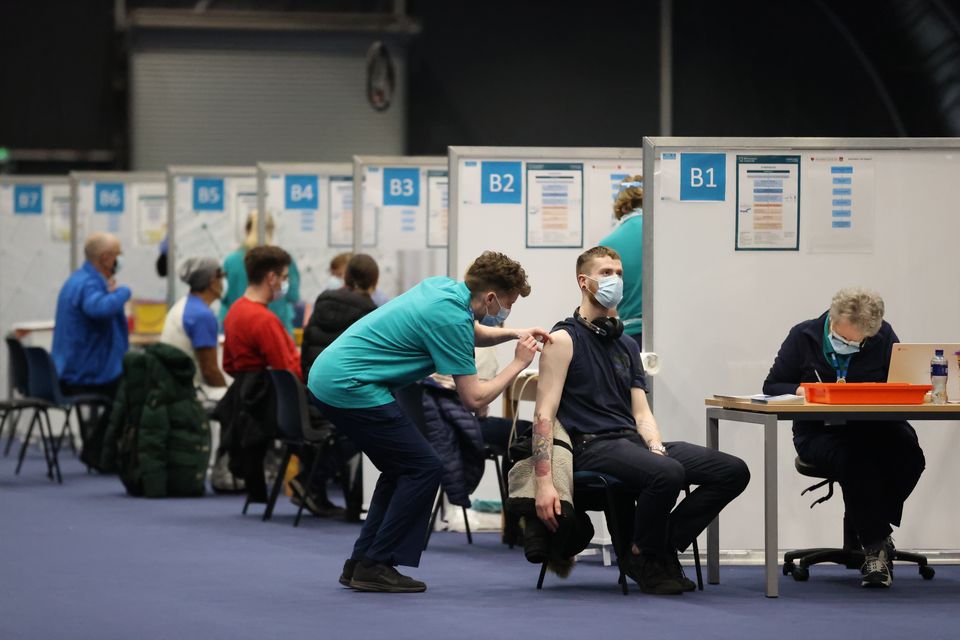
294	431
44	387
13	407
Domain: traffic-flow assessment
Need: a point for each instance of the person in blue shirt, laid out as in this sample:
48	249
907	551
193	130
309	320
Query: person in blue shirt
627	240
90	336
432	328
191	325
233	266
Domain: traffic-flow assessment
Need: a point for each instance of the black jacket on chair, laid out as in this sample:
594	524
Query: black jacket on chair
455	435
248	418
333	312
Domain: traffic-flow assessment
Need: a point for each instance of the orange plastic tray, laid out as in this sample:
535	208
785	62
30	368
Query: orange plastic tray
865	392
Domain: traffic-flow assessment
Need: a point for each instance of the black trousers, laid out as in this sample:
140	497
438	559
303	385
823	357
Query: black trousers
657	481
877	465
399	514
91	418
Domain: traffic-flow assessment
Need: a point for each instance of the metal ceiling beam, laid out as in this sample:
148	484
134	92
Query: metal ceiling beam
240	20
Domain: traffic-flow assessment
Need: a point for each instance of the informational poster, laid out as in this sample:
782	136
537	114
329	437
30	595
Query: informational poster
554	205
768	203
60	220
438	205
841	206
604	180
341	212
151	219
203	229
373	199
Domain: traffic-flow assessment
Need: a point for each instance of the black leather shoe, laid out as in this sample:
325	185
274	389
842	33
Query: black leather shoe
652	574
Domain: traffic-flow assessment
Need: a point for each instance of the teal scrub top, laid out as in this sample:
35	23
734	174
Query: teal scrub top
237	284
428	329
627	240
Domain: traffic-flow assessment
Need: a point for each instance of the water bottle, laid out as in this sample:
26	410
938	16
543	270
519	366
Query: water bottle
938	378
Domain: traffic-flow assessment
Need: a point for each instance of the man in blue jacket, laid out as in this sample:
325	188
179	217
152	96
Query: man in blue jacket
90	335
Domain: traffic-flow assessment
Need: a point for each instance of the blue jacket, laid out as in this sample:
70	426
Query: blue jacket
90	335
802	354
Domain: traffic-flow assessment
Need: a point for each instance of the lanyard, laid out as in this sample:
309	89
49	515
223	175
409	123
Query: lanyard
841	363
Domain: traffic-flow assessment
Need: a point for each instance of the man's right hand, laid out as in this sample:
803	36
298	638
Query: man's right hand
526	350
548	505
112	285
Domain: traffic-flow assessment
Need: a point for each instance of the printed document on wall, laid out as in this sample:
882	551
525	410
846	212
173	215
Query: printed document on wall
668	178
341	212
768	203
60	219
840	207
437	208
151	219
554	205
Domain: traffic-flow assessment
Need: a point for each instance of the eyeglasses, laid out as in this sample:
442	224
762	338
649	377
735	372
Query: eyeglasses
849	343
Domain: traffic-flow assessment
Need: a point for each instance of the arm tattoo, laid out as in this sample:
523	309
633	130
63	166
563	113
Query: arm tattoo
542	445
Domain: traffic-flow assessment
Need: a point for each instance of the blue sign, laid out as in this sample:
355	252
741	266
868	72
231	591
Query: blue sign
500	183
28	199
108	197
703	176
301	192
208	194
401	187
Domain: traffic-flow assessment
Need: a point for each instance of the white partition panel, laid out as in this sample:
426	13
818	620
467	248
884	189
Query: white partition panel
542	207
132	206
34	251
208	208
312	209
393	194
725	280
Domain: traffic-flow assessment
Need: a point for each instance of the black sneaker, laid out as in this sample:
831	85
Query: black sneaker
652	572
383	578
875	571
678	574
347	575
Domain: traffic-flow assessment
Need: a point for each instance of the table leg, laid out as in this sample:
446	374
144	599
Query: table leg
713	529
771	547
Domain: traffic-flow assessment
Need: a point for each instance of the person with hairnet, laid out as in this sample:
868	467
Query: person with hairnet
191	325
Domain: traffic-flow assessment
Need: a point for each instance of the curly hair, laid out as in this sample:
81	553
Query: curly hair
860	307
494	270
629	198
261	261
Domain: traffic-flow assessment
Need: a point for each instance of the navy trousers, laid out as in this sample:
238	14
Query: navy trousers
396	525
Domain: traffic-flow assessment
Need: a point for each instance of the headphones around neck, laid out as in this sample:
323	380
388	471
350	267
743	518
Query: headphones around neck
608	328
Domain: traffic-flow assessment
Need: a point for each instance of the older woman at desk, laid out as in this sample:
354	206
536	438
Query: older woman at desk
877	463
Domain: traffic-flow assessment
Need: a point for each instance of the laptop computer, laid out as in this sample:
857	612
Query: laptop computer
911	363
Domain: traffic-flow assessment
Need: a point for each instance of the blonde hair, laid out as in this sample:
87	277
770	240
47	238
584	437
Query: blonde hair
860	307
252	232
629	198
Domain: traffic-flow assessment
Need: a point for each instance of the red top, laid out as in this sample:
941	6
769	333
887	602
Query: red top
255	339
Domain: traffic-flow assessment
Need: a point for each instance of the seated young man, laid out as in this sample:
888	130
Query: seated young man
592	381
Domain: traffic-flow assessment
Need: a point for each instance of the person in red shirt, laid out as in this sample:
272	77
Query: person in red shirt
254	337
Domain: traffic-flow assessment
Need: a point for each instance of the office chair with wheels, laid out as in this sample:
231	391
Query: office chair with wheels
797	563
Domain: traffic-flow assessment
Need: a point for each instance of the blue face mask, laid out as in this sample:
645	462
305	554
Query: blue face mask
609	291
843	347
501	317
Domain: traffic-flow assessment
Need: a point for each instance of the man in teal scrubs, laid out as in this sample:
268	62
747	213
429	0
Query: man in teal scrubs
627	240
432	328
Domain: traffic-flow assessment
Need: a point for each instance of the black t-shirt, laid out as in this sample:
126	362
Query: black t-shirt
596	394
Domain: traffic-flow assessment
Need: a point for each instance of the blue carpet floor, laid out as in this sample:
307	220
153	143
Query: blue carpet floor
83	560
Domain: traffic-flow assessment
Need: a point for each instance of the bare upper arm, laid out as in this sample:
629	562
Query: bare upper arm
554	363
468	388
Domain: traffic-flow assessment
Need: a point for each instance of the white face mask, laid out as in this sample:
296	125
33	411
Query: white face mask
118	265
224	285
609	291
281	293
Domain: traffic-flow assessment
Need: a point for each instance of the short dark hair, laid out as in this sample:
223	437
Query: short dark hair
260	261
362	272
586	258
494	270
